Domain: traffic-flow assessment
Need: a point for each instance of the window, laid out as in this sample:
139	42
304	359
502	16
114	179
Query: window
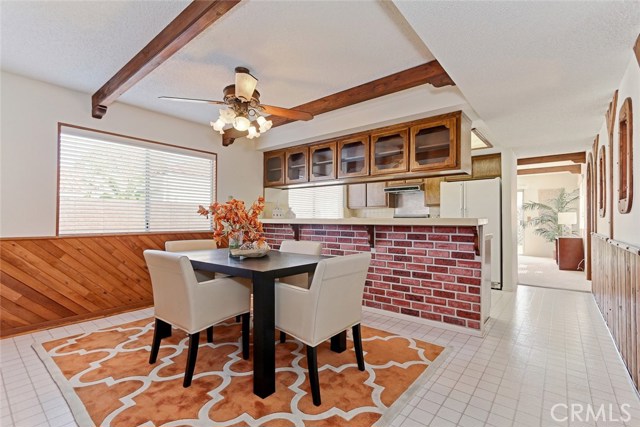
625	163
317	202
116	184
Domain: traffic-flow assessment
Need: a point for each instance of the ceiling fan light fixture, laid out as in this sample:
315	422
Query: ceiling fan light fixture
241	123
245	84
218	125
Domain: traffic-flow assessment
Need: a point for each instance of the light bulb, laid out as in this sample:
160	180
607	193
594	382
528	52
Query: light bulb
227	115
253	133
241	123
218	125
265	124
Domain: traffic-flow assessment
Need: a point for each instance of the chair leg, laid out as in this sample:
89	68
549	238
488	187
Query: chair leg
312	362
246	330
161	330
194	341
210	334
283	337
357	343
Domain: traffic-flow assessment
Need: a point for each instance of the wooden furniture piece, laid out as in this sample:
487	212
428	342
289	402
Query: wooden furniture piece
263	272
296	160
273	168
367	195
433	145
322	161
439	145
570	253
181	301
330	306
389	151
354	156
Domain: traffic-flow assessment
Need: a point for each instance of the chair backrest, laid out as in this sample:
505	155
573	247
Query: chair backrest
337	289
190	245
173	282
305	247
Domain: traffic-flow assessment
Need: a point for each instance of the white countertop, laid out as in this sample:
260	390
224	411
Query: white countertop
382	221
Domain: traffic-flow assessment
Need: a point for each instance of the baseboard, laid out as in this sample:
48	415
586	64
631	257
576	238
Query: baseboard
428	322
29	329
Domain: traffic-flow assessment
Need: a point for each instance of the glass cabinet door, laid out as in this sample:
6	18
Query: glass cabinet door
354	157
274	168
323	160
296	160
389	152
433	145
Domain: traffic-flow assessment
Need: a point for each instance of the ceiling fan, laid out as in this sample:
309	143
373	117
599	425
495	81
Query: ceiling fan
244	112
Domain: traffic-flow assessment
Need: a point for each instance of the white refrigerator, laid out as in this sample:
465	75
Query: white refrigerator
477	199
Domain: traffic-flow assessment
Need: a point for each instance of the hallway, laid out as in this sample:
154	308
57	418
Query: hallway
544	272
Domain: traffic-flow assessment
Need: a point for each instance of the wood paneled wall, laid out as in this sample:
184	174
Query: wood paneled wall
51	281
616	288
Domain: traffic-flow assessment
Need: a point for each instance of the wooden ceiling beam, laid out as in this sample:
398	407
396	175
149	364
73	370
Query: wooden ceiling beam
431	72
579	157
194	19
576	169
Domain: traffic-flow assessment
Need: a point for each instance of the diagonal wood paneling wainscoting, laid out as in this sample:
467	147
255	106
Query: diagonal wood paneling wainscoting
616	288
52	281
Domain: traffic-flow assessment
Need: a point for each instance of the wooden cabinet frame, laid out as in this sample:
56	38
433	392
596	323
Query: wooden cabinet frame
602	181
288	154
454	145
313	149
364	139
625	160
270	155
375	136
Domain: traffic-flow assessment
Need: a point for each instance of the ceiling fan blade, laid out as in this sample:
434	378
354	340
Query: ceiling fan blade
285	112
245	84
201	101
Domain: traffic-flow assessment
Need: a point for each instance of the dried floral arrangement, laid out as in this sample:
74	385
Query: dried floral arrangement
232	219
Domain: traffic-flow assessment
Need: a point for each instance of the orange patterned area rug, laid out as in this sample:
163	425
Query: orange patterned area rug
107	380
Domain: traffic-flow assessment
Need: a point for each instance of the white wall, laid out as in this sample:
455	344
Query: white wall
509	221
626	227
30	112
535	245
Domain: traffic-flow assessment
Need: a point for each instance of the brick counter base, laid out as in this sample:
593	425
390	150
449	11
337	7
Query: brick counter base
422	271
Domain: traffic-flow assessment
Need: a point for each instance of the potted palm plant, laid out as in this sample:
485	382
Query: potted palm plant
546	223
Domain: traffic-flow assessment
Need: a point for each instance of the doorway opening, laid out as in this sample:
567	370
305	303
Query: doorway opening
551	231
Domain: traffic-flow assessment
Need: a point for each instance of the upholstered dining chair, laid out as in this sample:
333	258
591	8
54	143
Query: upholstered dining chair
305	247
330	306
183	302
194	245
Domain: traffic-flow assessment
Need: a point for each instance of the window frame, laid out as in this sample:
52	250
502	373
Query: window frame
625	157
62	125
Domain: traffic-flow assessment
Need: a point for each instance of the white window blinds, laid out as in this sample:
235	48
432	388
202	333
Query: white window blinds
317	202
111	184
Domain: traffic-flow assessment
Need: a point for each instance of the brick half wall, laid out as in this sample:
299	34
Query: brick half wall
421	271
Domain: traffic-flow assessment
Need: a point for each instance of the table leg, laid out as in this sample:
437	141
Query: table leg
264	348
339	342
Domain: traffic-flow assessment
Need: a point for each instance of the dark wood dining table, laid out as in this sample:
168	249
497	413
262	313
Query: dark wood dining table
263	272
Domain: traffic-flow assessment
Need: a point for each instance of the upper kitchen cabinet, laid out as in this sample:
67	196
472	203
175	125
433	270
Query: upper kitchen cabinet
354	156
296	160
273	168
441	144
323	161
389	151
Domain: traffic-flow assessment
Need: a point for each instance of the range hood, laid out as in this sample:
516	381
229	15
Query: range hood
408	188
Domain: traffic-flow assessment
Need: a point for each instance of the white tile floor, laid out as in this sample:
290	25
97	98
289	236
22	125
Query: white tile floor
544	347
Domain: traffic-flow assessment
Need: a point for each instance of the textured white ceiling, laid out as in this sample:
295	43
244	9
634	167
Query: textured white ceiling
299	50
540	74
